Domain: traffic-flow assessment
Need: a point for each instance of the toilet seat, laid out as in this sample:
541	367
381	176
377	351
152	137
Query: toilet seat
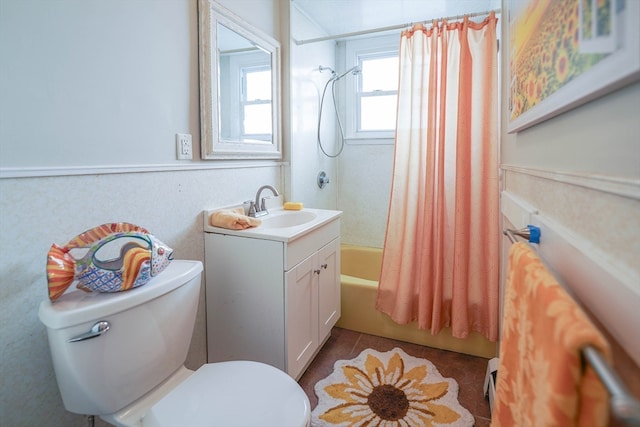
233	394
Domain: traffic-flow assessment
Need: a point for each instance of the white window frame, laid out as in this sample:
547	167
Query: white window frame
244	70
355	51
234	72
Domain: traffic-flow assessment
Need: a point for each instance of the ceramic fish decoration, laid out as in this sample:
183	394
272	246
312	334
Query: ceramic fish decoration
141	256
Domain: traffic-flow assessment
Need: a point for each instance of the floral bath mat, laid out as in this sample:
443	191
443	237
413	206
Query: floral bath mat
390	389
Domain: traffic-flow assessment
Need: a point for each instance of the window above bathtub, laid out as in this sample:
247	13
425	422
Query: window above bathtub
370	98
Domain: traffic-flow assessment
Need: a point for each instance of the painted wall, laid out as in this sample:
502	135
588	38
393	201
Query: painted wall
597	138
88	84
96	83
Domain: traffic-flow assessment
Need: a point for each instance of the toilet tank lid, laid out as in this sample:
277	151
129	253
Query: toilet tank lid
77	306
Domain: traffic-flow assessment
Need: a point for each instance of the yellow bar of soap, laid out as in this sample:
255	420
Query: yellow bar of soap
292	206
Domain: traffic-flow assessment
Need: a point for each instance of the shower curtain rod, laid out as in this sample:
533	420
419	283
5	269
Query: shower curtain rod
390	28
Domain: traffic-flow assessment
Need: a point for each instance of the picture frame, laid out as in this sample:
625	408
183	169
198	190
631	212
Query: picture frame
563	54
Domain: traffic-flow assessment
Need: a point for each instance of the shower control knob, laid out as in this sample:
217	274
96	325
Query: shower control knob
323	179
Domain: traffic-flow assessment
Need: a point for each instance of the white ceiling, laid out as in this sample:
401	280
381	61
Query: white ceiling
338	17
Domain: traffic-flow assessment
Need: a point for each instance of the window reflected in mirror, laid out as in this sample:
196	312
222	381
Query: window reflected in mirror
256	103
244	85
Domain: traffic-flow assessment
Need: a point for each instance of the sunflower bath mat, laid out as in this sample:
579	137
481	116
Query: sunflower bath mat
390	389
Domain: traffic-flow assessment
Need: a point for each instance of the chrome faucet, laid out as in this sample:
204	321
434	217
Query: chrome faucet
258	207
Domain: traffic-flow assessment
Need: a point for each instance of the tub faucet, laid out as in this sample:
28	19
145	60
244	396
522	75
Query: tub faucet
258	207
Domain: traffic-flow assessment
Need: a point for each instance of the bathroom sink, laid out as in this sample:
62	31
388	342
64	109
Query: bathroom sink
279	224
285	218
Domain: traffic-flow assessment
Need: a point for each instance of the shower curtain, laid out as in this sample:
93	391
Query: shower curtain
440	263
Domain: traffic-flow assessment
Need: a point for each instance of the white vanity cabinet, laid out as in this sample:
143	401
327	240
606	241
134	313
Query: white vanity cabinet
312	305
272	300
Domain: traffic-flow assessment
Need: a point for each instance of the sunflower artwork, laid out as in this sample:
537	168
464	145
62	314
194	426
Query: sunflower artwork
554	42
390	389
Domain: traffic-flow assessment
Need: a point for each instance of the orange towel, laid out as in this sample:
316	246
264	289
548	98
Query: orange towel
541	380
233	219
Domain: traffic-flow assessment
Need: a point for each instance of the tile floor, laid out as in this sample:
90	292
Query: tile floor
467	370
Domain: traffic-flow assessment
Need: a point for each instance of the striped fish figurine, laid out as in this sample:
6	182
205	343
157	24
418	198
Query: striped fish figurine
141	256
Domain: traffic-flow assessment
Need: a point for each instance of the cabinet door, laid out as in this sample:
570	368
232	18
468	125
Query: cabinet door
302	315
328	288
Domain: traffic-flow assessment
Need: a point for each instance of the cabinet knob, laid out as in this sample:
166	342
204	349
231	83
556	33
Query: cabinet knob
324	266
316	271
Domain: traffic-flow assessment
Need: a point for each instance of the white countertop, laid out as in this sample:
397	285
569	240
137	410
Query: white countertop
282	234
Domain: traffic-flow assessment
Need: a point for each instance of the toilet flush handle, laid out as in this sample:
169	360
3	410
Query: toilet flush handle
95	331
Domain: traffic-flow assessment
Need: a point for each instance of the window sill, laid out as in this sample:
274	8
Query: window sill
369	141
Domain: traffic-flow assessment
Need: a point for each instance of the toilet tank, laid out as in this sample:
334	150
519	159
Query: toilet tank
148	339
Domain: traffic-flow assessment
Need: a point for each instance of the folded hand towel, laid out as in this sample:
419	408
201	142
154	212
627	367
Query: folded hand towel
541	380
233	219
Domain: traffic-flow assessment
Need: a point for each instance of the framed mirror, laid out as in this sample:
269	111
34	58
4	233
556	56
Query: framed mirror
239	87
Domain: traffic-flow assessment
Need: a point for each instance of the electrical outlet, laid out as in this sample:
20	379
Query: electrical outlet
184	148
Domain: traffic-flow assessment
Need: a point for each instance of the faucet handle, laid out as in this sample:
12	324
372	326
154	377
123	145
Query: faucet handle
252	208
263	202
246	205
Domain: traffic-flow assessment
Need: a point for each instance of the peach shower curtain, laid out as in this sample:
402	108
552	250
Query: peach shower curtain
440	262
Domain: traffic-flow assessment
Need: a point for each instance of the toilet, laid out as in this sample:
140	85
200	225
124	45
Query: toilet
120	356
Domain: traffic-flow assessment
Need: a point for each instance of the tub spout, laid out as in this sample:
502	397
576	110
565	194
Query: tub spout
259	205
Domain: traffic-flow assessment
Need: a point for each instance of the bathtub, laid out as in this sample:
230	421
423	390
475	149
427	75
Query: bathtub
360	270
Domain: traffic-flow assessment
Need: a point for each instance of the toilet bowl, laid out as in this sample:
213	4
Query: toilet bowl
130	370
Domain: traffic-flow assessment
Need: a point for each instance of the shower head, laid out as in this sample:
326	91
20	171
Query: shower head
353	70
321	69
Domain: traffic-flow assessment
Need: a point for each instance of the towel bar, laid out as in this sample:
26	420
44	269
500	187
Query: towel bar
530	232
624	406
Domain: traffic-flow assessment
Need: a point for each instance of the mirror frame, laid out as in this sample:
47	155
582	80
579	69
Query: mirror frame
211	14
